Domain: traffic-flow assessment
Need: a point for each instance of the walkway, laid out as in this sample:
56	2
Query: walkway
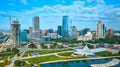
109	64
44	55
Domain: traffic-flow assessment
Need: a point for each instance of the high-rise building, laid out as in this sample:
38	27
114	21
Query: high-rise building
59	30
84	31
74	33
26	31
110	33
30	33
46	32
50	30
36	28
15	28
66	28
23	36
101	30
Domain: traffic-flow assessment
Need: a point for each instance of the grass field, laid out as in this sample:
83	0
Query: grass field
65	54
51	58
1	65
106	53
44	51
6	54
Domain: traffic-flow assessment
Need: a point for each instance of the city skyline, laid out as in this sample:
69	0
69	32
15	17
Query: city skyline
84	13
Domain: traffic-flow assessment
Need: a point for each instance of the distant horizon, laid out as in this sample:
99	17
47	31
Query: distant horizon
56	30
83	13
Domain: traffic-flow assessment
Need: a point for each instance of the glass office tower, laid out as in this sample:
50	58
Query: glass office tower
66	28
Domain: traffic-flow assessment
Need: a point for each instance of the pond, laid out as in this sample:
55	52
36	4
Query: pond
80	63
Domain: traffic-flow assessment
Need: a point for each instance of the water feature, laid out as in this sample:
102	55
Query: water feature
80	63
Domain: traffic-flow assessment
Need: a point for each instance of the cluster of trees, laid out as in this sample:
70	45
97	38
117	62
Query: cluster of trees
32	45
107	40
89	46
0	42
6	62
43	46
53	46
66	41
9	52
104	40
15	50
21	63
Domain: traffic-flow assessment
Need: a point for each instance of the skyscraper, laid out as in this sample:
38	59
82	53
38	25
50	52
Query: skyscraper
66	28
50	30
15	27
30	33
84	31
101	30
23	36
110	33
36	28
59	30
74	33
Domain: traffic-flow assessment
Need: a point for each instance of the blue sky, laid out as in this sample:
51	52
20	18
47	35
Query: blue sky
84	13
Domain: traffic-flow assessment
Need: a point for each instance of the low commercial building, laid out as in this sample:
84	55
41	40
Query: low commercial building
85	37
46	39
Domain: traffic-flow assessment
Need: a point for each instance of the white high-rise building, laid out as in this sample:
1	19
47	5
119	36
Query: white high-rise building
74	33
36	30
30	33
101	30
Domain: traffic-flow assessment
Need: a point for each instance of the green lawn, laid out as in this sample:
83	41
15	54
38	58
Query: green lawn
51	58
21	63
26	54
65	54
105	53
44	51
6	54
1	65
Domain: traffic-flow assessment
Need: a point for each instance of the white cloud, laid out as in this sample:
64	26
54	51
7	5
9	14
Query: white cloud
78	11
23	2
2	12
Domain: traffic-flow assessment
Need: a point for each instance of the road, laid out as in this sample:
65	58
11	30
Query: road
22	52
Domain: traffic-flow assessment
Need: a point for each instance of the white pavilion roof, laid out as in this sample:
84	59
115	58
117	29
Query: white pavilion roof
86	51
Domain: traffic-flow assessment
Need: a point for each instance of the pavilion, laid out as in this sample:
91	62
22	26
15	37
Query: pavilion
88	52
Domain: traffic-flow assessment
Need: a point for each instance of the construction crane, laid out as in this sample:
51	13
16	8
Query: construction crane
10	20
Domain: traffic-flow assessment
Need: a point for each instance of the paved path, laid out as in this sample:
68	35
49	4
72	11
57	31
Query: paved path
113	62
22	52
44	55
20	57
1	61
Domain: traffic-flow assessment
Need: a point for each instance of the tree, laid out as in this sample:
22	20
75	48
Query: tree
43	46
32	45
19	63
6	61
15	50
8	50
